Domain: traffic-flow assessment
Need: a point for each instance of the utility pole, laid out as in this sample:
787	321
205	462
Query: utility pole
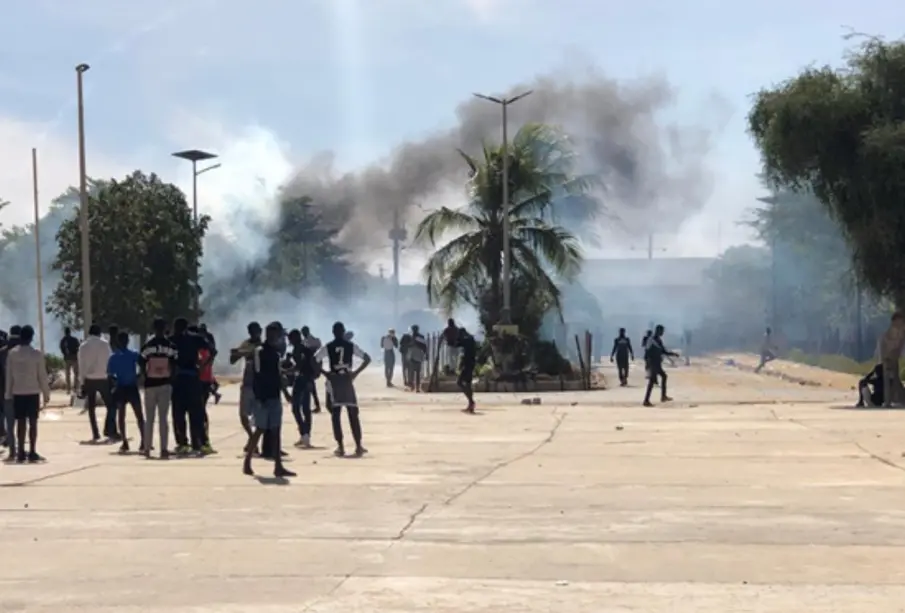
650	246
39	272
85	272
398	235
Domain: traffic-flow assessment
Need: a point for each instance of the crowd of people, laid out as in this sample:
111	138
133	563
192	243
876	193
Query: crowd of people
170	377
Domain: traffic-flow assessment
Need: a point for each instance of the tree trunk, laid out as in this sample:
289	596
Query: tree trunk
891	344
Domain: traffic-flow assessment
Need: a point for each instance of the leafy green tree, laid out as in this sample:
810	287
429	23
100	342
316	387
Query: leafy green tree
145	253
838	133
468	268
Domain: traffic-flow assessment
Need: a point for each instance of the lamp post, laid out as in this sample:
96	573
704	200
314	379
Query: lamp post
772	201
504	103
195	156
85	273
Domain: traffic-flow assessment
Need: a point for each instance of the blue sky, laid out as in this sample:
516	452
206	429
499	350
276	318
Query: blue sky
275	81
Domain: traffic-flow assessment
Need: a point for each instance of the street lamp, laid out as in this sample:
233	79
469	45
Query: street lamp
772	201
80	70
507	256
195	156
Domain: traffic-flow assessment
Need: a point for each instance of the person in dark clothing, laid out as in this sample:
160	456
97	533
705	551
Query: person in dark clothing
341	377
188	398
313	343
405	344
113	336
69	349
389	344
871	388
654	354
122	369
214	384
466	342
268	410
622	352
304	370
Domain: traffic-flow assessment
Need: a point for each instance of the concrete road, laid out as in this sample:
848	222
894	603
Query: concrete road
746	494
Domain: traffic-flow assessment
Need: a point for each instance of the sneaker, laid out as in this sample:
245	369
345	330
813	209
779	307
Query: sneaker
360	451
208	450
300	442
33	457
164	455
648	403
217	397
339	452
665	399
306	441
20	458
124	448
281	472
183	450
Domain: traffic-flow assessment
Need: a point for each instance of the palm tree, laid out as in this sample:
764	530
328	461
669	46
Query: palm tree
542	179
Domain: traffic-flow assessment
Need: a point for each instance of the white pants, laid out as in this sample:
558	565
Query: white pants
157	402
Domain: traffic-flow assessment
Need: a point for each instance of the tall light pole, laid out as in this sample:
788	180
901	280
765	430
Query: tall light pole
398	235
195	156
772	201
504	103
39	272
80	70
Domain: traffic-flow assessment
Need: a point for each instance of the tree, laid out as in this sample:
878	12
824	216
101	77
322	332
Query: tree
838	133
468	268
145	253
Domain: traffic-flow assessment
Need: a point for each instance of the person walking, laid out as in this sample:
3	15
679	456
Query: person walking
69	349
93	355
245	351
656	352
389	343
122	369
622	351
27	384
158	357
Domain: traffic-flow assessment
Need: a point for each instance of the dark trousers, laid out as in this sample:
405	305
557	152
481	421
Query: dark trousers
622	368
93	389
336	415
188	402
301	404
656	370
389	363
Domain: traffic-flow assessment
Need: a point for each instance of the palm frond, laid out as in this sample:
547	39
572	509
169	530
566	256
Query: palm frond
554	244
442	221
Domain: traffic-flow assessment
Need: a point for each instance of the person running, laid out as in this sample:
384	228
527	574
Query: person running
26	383
245	351
767	350
389	343
341	377
466	342
304	370
268	410
655	354
622	352
157	361
122	369
314	344
94	354
187	394
69	349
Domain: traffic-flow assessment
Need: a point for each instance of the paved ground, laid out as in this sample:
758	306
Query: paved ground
746	494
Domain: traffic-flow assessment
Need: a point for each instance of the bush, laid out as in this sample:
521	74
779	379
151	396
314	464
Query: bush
53	363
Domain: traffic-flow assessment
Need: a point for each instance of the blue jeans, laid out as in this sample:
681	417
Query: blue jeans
301	404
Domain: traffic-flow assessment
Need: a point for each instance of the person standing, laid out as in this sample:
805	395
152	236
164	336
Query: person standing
417	353
187	393
314	344
69	349
389	343
93	356
26	384
622	351
268	410
122	369
157	361
339	352
466	342
304	370
245	351
656	351
7	415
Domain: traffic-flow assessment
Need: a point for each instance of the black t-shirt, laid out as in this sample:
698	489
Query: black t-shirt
339	355
469	350
158	356
69	347
656	351
303	360
268	376
621	347
187	347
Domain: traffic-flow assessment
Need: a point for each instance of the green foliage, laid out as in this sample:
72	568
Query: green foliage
468	268
838	133
53	363
145	253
